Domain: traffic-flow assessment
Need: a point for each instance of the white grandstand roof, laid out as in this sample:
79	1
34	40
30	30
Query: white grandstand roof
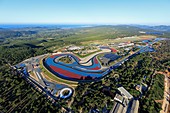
125	92
73	48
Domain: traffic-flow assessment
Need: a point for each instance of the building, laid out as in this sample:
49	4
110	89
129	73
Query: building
109	57
73	48
118	98
135	106
142	32
124	102
105	61
125	93
125	44
118	108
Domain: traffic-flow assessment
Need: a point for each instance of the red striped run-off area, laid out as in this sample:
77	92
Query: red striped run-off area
65	72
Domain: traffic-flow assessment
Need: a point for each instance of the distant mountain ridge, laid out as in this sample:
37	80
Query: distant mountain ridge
156	28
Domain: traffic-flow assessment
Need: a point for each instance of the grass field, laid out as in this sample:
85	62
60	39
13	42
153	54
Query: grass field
119	40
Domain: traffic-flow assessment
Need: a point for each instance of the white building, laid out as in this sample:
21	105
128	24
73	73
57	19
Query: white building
118	98
72	48
125	44
125	93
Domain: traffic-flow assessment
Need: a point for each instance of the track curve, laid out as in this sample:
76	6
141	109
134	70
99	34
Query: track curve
75	71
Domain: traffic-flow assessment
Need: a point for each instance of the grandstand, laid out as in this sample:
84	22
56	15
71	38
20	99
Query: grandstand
147	49
111	56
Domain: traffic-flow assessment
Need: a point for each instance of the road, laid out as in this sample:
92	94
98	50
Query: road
143	49
86	60
39	76
123	60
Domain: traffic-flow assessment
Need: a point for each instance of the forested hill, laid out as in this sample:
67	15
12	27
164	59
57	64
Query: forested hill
55	32
53	36
6	33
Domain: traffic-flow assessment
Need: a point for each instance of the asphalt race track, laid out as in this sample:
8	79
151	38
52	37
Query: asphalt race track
75	71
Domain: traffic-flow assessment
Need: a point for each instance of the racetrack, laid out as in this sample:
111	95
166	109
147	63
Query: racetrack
75	70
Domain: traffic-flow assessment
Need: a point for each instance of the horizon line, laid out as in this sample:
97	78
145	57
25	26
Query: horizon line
82	24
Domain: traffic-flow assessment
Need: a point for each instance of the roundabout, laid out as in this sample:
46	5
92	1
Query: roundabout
62	95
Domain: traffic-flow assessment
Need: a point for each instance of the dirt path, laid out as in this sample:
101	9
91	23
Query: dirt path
159	101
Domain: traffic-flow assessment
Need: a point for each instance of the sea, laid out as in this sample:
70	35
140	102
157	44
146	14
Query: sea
64	26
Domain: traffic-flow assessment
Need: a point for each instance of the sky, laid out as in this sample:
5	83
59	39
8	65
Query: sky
148	12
